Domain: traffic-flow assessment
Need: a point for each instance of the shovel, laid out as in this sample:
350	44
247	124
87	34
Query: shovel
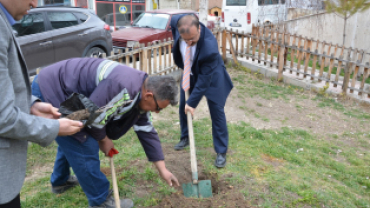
114	178
198	189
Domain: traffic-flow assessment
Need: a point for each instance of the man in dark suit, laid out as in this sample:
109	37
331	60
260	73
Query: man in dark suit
208	77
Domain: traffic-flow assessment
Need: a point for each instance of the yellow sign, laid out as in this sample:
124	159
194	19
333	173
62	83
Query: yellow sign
154	4
123	9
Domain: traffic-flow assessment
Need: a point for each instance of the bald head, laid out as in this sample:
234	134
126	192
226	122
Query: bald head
189	29
186	22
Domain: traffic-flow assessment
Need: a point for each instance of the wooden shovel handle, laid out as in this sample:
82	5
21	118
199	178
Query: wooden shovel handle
193	158
115	186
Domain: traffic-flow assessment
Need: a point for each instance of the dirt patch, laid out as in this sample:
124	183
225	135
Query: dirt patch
224	194
276	113
39	172
272	114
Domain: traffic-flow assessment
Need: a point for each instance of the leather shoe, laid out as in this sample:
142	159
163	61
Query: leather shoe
220	160
184	142
71	182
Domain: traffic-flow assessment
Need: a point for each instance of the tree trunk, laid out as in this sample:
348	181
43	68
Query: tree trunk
344	30
203	11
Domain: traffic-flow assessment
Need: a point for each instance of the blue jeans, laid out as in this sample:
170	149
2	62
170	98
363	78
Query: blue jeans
84	160
36	89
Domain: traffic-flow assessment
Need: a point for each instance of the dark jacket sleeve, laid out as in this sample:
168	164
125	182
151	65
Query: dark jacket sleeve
206	71
148	137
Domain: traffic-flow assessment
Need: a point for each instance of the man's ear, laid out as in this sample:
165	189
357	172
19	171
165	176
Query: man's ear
147	95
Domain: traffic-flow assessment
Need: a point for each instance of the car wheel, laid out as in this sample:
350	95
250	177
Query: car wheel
95	51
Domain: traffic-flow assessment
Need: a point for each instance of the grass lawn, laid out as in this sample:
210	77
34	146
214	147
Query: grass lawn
284	166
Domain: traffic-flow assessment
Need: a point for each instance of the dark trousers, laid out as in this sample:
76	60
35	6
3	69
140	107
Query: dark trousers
219	127
15	203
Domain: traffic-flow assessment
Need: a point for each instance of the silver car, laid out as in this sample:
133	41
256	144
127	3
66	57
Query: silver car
50	34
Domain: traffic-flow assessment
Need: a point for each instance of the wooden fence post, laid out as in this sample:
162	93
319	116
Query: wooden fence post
127	59
322	66
224	45
299	41
307	58
160	56
170	52
354	77
305	42
339	67
314	61
144	60
300	52
329	49
219	40
165	53
330	67
121	58
248	36
253	40
292	53
260	37
149	56
366	75
236	43
272	39
141	56
347	74
287	42
232	49
281	62
267	32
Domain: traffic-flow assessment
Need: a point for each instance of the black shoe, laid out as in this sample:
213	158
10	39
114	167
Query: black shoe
184	142
71	182
220	160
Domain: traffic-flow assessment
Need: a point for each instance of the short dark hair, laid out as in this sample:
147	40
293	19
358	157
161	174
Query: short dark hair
186	22
164	87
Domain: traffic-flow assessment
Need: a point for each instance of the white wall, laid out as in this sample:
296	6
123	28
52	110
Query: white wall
168	4
329	27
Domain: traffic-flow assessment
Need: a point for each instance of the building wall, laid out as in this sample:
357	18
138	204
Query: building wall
168	4
294	13
329	27
186	4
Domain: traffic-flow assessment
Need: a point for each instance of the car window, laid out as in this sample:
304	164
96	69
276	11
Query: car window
62	19
82	17
122	19
30	24
157	21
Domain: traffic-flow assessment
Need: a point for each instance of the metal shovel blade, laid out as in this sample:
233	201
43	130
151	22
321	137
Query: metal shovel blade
201	190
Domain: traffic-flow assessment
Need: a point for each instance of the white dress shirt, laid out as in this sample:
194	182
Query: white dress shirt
183	51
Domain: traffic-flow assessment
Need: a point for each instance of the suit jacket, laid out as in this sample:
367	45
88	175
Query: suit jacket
209	73
17	126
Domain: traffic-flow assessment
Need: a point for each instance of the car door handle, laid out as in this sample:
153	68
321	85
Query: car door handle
45	43
82	34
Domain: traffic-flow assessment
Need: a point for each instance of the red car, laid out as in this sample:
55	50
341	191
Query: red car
150	26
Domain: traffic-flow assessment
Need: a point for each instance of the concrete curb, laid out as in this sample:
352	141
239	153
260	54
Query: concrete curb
294	80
